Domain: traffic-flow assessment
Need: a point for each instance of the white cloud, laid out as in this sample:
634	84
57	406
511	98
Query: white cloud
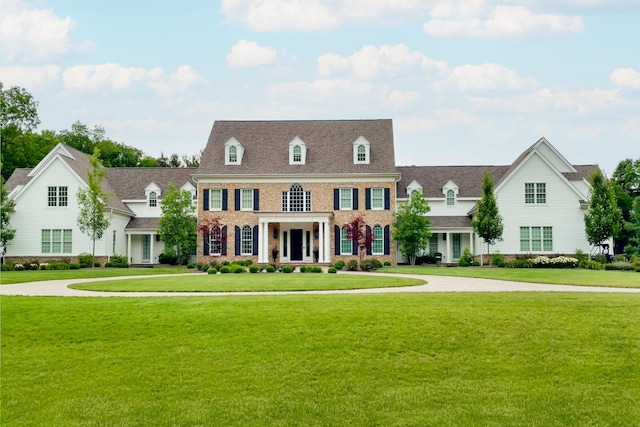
626	78
251	54
502	21
29	77
329	91
30	34
545	100
372	62
437	119
90	78
313	15
484	77
399	100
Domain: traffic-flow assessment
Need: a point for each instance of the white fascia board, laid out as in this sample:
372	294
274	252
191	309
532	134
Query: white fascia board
34	178
275	179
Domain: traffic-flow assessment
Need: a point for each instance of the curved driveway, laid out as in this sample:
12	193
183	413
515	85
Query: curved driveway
435	284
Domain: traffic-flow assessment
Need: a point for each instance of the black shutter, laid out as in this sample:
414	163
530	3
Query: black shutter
369	240
205	202
387	199
387	240
223	236
236	195
237	240
367	198
225	195
256	202
255	239
336	199
336	239
205	239
355	199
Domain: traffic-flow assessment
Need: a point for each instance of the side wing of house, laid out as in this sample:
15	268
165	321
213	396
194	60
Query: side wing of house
542	204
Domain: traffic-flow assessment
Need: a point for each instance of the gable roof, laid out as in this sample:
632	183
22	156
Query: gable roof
130	183
329	147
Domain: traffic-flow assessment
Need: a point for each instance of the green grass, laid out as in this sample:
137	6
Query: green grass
574	276
522	359
248	282
11	277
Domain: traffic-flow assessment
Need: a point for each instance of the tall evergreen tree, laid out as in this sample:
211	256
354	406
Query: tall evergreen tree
488	221
411	226
604	217
177	225
92	219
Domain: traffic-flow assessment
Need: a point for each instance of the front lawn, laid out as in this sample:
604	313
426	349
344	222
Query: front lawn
572	276
247	282
12	277
522	359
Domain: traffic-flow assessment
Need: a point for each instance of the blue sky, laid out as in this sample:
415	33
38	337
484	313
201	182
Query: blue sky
466	82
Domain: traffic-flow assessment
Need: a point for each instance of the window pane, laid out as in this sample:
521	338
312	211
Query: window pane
547	235
536	239
377	246
450	198
345	198
62	196
247	240
215	242
152	199
66	245
56	241
46	241
345	243
296	198
528	192
362	153
52	197
433	244
297	154
541	193
233	155
215	199
377	198
524	239
247	199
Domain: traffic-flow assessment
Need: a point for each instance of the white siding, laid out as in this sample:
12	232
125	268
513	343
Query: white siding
561	210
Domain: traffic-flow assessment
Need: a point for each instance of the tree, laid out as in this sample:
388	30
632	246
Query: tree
411	226
6	209
603	217
633	228
626	186
177	225
357	233
488	221
92	218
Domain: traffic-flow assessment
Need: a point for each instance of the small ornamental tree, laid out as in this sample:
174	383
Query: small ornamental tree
7	207
488	221
411	226
633	228
215	241
177	225
357	233
92	219
603	219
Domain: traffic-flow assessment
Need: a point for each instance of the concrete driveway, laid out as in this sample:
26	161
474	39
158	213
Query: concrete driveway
434	284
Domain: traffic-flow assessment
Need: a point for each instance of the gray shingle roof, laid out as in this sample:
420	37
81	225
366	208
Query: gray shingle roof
433	178
329	146
143	224
131	182
449	221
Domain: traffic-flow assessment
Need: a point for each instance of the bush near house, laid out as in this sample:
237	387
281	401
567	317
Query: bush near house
466	258
339	265
117	261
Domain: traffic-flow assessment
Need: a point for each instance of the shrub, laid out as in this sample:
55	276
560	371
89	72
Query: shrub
582	257
352	265
628	267
466	258
387	264
74	266
520	263
425	259
339	265
225	269
18	267
247	263
316	269
191	265
366	265
225	263
84	258
287	269
601	258
619	258
303	269
33	265
254	269
269	269
611	267
212	270
118	259
168	257
592	265
497	259
557	262
45	266
6	267
332	270
58	265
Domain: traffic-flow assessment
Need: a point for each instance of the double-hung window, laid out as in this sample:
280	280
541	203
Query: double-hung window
536	239
535	193
451	198
215	199
57	196
377	246
346	246
56	241
345	199
246	199
215	240
246	243
377	198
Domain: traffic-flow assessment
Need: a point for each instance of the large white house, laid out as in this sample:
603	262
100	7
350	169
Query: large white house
302	181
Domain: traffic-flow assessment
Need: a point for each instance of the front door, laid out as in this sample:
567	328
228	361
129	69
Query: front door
146	248
296	244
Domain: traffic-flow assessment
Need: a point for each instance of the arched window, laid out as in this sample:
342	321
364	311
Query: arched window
246	240
345	242
451	198
362	153
215	242
233	154
297	154
153	199
296	199
377	246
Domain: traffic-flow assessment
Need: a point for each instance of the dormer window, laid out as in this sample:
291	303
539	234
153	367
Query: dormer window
450	191
153	199
414	187
297	152
361	151
233	152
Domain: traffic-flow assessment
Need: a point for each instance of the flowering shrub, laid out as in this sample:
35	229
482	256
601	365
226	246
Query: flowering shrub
557	262
18	267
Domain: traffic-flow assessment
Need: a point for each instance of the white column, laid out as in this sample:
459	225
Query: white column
327	244
152	237
472	243
129	248
448	248
261	250
320	242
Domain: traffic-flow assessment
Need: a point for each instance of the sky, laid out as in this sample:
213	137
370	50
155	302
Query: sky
466	82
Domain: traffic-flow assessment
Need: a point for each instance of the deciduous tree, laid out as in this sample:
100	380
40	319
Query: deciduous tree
604	217
411	226
92	201
177	225
6	209
357	233
488	221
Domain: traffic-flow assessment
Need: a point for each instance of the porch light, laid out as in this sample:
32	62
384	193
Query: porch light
275	232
